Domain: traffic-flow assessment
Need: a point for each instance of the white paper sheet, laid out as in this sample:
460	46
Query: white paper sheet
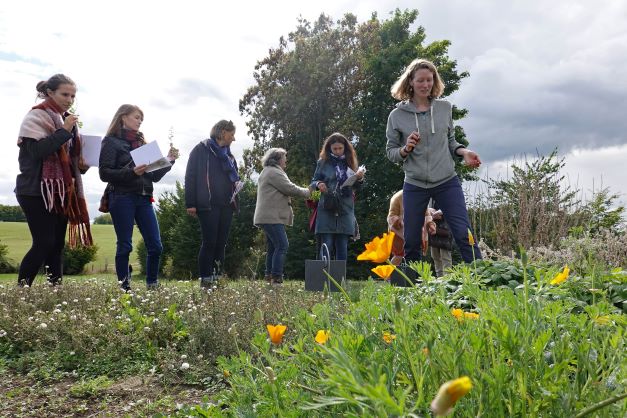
239	185
90	148
150	154
352	176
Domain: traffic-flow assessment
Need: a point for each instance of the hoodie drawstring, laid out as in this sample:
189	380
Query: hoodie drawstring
432	123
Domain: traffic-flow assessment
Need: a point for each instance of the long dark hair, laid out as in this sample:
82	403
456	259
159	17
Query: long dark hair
349	151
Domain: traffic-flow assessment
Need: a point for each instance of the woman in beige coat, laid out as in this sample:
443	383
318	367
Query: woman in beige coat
274	209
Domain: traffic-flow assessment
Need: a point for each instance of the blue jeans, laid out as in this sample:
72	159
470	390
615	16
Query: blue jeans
337	244
277	245
450	199
127	209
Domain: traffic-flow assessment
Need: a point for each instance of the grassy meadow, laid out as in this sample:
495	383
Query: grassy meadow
17	237
518	339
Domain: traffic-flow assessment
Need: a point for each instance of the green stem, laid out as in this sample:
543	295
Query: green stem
407	279
348	299
600	405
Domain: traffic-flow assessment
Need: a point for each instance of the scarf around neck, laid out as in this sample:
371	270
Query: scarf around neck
135	138
226	160
340	165
61	183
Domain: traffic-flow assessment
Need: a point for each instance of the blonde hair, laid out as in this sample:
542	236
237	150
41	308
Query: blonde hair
402	90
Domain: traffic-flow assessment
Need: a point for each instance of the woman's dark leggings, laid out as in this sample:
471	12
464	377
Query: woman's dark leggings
215	225
48	233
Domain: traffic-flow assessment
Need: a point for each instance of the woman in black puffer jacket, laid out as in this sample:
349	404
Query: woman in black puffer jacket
130	192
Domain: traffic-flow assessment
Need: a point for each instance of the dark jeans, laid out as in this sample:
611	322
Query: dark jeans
337	244
48	233
450	199
277	245
126	210
214	225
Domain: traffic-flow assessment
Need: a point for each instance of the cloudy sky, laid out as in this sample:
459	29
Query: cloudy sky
542	74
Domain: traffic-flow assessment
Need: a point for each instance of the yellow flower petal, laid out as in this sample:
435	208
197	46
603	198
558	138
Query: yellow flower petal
378	250
471	315
322	336
383	271
561	277
388	337
457	313
601	320
449	393
471	239
276	333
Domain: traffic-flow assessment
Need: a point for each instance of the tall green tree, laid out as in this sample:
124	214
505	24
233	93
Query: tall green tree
331	76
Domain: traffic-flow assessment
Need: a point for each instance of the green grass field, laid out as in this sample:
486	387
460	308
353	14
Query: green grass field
17	237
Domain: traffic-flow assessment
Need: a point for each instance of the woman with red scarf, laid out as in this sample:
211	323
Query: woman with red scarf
130	190
49	187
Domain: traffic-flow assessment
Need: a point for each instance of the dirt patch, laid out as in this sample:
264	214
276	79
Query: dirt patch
136	396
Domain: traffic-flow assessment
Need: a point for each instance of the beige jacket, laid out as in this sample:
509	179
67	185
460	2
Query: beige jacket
273	197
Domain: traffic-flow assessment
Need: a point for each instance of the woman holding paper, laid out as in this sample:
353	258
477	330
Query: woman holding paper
130	192
421	137
49	187
211	186
335	170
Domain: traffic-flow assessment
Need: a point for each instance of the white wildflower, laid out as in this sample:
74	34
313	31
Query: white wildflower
184	366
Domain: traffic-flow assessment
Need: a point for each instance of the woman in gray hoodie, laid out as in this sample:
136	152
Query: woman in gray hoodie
420	136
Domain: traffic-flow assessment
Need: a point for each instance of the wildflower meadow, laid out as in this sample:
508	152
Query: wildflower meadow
507	337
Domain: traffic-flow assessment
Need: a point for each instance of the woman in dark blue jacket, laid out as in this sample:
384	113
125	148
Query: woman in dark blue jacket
211	180
130	192
335	220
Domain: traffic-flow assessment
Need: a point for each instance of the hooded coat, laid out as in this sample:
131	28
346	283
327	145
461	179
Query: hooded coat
431	163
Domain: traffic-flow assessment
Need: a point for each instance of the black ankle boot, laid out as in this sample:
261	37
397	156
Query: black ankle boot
54	281
24	282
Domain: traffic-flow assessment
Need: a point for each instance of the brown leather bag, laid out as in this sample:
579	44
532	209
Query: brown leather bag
104	200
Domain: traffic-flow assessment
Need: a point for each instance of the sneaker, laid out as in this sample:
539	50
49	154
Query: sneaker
277	279
125	285
152	286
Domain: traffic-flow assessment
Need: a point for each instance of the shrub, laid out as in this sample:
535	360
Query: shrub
6	264
75	259
104	219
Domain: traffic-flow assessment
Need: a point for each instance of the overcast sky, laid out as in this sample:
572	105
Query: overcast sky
543	74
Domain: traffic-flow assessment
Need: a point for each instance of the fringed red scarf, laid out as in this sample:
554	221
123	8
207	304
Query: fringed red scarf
61	182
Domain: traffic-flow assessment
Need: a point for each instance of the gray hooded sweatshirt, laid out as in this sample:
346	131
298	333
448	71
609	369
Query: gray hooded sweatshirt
431	162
